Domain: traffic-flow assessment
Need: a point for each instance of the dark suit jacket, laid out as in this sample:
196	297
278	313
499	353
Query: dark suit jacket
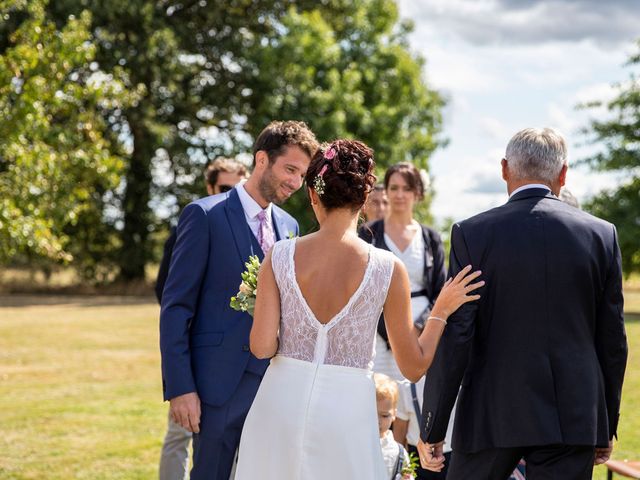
204	342
543	352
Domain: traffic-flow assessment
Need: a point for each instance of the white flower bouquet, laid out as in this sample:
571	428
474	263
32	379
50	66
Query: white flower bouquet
245	299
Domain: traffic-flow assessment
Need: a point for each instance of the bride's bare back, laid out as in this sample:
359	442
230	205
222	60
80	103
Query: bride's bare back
329	272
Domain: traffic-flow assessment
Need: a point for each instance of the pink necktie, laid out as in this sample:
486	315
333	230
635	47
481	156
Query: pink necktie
266	237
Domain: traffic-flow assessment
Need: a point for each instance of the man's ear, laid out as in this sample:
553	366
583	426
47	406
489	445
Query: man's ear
562	178
505	169
262	159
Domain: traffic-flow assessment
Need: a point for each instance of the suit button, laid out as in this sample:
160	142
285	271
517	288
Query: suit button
245	348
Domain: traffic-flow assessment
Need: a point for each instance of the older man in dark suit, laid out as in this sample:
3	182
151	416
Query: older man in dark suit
539	360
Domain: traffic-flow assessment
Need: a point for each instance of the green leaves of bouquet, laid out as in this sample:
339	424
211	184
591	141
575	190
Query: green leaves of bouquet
409	470
245	299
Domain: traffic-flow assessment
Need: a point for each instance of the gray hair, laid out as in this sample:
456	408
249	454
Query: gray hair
569	198
536	154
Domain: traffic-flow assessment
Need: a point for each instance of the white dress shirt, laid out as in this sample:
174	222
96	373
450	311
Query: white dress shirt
528	186
390	452
252	209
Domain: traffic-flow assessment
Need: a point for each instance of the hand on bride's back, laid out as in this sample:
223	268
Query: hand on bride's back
456	290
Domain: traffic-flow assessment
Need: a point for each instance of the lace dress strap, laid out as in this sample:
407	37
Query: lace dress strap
279	262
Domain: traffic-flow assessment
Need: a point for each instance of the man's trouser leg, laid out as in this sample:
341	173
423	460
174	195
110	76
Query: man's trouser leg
174	458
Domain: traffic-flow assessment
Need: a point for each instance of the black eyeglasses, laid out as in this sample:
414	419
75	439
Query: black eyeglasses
225	188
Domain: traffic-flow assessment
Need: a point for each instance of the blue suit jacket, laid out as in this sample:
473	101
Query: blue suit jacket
204	342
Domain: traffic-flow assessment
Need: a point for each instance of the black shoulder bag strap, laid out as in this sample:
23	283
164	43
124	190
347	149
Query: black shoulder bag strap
397	473
428	252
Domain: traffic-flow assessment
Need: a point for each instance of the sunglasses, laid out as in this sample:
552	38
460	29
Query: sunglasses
225	188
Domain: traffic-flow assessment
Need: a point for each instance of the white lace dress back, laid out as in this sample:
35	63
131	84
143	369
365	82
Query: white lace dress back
318	397
348	339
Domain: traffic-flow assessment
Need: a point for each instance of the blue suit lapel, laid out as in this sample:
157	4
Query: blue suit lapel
239	227
279	224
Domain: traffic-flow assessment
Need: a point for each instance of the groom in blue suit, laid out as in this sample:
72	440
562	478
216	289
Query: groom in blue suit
208	373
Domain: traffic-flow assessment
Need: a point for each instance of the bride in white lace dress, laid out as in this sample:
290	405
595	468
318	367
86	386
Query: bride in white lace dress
319	300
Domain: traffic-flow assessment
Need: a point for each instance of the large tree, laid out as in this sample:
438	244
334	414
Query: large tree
180	60
619	137
208	76
55	161
348	72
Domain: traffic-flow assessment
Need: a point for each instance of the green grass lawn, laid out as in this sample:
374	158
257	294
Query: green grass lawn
80	393
80	389
632	300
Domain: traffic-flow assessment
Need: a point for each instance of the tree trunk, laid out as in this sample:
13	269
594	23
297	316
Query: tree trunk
137	215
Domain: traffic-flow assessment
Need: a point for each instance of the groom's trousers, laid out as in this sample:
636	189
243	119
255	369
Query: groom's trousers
550	462
214	448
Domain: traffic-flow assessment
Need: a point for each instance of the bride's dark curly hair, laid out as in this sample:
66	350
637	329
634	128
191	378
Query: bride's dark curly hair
345	168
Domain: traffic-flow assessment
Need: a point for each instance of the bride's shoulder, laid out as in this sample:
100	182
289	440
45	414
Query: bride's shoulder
285	242
281	247
384	256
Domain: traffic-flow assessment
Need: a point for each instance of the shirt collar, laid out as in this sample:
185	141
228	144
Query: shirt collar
249	205
528	186
387	439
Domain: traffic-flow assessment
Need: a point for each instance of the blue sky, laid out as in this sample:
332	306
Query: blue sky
509	64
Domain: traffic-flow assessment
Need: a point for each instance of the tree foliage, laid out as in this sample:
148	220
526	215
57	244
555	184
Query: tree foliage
348	73
204	77
55	160
619	136
178	58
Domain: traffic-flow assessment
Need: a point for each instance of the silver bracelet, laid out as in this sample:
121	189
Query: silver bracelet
439	319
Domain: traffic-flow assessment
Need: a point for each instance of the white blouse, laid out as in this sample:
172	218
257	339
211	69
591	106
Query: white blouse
413	259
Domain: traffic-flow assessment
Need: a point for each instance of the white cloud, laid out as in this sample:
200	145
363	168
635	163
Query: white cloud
461	104
597	91
585	184
562	119
507	65
494	128
469	185
530	22
451	68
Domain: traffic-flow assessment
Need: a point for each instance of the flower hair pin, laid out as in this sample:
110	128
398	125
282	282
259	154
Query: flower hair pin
318	182
330	153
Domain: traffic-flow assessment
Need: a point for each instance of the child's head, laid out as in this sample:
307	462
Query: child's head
387	400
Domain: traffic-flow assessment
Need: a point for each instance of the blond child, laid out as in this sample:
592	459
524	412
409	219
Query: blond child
395	456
